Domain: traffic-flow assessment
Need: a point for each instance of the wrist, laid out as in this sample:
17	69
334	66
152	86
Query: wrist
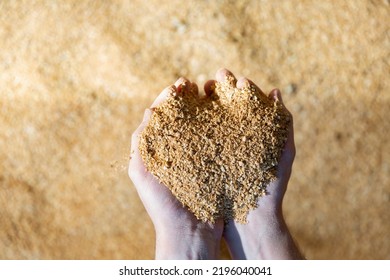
186	243
273	238
262	224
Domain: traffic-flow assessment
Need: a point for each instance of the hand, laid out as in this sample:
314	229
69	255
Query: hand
266	235
179	235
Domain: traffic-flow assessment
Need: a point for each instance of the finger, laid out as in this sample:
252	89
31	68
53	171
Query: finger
147	114
183	86
288	153
244	82
223	75
134	137
209	87
194	89
276	95
135	141
289	148
168	91
136	165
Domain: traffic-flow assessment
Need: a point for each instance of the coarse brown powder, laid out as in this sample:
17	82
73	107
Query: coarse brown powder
216	153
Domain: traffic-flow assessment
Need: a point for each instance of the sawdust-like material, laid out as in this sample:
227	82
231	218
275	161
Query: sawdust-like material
216	153
57	141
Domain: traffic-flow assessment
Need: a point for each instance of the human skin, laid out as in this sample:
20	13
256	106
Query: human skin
265	235
179	235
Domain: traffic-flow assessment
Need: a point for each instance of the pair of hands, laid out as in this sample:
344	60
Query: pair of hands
179	235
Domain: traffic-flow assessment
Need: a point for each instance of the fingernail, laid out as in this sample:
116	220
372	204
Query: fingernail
243	83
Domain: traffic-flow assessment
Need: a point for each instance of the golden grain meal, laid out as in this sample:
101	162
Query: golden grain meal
216	153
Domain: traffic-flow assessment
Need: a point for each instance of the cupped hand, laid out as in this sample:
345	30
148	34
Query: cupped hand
179	235
265	235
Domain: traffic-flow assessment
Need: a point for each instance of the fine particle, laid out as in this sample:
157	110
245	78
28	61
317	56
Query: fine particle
216	153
